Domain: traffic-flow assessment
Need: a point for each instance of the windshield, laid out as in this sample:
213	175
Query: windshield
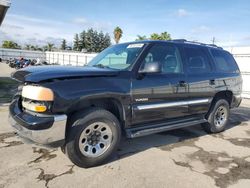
119	56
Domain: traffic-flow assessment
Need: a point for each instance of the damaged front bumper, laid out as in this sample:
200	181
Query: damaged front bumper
46	130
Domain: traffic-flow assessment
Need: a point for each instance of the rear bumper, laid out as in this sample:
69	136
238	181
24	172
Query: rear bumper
42	130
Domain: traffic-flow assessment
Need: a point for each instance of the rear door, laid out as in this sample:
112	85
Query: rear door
200	77
227	75
160	96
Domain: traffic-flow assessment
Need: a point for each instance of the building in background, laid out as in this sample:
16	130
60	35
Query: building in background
4	5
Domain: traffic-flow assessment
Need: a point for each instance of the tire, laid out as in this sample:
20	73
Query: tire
217	117
93	137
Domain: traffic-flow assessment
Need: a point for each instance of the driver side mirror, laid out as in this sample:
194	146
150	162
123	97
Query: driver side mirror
153	67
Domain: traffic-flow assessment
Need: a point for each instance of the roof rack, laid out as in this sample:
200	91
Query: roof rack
179	40
194	42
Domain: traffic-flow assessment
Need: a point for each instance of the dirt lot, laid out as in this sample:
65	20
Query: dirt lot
181	158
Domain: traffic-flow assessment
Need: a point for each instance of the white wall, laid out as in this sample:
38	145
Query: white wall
62	58
242	57
11	53
69	58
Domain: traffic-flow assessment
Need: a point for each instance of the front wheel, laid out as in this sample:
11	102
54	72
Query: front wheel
217	117
93	138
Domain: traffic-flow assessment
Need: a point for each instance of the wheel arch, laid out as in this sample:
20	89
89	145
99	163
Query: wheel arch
110	104
226	94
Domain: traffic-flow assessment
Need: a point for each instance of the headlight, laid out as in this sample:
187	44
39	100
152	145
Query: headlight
37	93
37	98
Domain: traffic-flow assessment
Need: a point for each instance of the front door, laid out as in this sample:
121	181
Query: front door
160	96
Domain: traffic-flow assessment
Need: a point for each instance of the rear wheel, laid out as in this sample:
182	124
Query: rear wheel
217	117
93	138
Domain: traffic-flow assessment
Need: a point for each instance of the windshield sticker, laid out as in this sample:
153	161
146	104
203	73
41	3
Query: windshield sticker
135	46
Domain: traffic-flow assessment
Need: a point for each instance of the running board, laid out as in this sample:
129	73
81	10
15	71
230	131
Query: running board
156	128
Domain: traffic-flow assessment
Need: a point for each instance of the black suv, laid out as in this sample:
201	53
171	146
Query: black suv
131	89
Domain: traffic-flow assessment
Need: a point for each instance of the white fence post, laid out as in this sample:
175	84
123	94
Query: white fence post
76	60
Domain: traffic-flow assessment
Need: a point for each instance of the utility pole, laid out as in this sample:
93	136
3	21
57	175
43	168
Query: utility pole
213	40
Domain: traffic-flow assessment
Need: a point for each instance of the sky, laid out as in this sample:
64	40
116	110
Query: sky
40	21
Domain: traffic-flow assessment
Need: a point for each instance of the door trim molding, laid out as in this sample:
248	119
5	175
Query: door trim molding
172	104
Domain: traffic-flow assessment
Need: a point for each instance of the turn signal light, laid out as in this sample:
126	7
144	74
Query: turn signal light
40	108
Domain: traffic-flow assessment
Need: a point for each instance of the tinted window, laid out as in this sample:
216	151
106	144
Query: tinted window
167	56
224	61
197	61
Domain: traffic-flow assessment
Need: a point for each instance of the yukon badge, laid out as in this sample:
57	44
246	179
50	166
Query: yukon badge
141	99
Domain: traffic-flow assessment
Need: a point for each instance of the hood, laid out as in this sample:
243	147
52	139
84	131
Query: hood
43	73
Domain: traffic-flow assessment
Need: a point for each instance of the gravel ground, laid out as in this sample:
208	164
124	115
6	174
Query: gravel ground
182	158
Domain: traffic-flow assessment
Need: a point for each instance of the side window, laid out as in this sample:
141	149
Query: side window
197	61
224	61
167	56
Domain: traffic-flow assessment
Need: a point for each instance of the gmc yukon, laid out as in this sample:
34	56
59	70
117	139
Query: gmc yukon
131	89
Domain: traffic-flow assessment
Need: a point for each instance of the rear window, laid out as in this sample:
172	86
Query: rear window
224	61
197	61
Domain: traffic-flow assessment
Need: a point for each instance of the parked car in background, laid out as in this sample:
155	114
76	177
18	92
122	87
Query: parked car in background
131	89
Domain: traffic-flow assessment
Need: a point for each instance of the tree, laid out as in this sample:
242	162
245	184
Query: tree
82	40
38	48
162	36
89	40
100	41
63	45
34	48
76	44
106	42
10	44
93	41
27	47
141	37
155	36
117	34
49	47
165	36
